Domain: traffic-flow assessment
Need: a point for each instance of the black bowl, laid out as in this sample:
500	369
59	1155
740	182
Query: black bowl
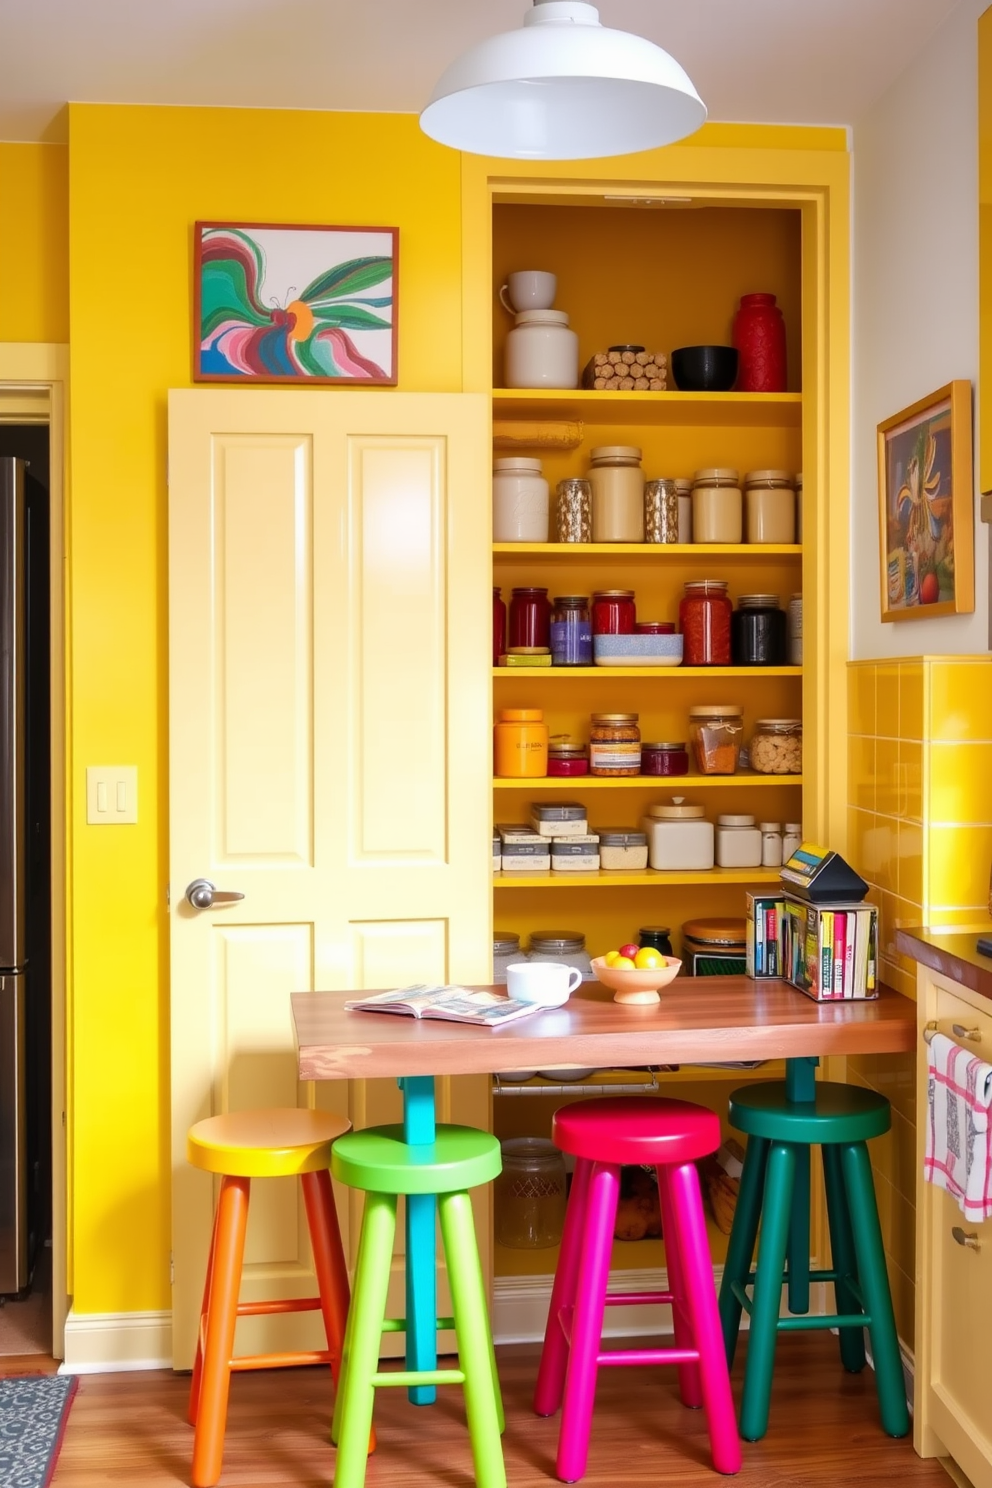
705	369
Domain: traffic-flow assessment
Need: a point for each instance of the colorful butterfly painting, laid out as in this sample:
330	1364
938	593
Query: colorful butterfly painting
295	304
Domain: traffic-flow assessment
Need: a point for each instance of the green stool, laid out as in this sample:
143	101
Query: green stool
840	1119
379	1161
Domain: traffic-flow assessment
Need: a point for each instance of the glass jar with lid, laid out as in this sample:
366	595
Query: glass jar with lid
566	758
571	631
777	746
704	620
529	1194
621	850
499	626
679	836
758	631
664	759
613	612
521	501
661	511
717	505
617	493
506	949
716	731
530	618
573	510
738	841
564	947
614	744
657	937
769	506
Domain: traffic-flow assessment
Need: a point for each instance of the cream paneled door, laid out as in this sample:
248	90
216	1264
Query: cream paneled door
329	627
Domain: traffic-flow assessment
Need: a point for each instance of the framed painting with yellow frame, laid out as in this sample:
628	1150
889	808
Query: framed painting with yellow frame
926	507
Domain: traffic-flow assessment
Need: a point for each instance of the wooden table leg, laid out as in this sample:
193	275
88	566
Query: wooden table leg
421	1276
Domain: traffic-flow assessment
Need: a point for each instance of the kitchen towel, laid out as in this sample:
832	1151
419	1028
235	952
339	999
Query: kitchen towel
959	1141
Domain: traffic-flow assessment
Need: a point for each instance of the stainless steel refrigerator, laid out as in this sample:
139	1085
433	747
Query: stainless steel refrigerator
14	973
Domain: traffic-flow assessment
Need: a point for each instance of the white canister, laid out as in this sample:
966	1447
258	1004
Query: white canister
795	624
738	842
541	351
521	501
683	490
792	839
771	845
679	836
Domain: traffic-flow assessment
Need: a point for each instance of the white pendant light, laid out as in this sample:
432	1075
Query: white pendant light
563	87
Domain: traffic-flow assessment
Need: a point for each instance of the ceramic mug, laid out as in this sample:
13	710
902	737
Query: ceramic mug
528	289
546	983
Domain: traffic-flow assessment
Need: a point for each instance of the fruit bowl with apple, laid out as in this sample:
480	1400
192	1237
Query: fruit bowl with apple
635	973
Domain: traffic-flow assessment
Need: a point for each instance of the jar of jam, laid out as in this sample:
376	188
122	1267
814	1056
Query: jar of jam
657	937
704	620
664	759
499	626
613	612
654	627
530	618
567	759
758	631
571	631
614	744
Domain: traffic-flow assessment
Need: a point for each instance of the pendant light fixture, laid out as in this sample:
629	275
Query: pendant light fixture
562	87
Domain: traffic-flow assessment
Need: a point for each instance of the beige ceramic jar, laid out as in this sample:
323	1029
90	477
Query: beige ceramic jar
617	493
769	506
717	506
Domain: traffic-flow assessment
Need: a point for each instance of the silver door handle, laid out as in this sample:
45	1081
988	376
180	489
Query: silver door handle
973	1035
202	894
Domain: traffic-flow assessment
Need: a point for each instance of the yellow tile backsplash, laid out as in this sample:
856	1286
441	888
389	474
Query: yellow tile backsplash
960	782
960	698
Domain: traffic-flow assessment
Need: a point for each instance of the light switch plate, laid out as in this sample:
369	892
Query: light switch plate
111	795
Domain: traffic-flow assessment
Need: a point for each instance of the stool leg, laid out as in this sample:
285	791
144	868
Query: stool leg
767	1291
368	1310
194	1388
743	1233
215	1378
690	1388
587	1322
852	1340
483	1406
554	1354
874	1282
798	1246
690	1242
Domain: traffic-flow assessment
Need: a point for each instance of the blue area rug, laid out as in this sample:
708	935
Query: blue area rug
33	1413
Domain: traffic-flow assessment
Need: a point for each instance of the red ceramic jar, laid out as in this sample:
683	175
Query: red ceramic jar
704	620
759	335
613	612
530	618
499	626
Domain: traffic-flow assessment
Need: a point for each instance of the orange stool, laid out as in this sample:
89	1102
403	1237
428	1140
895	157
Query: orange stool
241	1146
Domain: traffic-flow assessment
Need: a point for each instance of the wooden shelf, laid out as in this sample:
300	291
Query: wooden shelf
597	407
649	878
654	551
582	783
565	674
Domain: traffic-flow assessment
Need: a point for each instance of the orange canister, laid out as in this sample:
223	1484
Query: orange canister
520	744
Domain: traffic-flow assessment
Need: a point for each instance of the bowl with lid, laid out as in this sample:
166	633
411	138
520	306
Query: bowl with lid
705	369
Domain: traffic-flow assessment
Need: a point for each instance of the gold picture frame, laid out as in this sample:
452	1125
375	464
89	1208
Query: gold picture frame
927	508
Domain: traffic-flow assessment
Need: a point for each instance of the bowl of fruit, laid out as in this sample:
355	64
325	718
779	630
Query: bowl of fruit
635	973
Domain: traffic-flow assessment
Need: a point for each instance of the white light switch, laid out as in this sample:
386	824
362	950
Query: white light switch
111	795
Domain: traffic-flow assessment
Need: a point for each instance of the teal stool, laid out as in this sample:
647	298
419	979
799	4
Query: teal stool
840	1119
379	1161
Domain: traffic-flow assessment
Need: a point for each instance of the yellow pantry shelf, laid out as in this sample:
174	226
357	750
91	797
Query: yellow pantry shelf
754	410
582	783
566	673
653	551
649	878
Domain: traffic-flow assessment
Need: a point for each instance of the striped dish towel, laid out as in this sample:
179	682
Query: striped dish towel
959	1140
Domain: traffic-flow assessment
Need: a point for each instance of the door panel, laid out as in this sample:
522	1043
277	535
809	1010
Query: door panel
329	648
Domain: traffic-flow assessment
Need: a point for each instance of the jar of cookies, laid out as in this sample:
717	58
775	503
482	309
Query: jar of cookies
777	746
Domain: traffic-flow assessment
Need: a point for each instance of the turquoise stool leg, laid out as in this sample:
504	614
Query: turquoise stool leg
767	1299
368	1309
483	1406
743	1233
874	1282
852	1340
800	1085
421	1276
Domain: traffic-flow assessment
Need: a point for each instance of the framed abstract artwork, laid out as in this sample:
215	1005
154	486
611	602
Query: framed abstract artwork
926	507
281	303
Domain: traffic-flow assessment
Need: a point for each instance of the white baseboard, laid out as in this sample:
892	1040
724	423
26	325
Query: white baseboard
108	1342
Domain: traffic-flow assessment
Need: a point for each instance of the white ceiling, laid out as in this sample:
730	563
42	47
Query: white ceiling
773	61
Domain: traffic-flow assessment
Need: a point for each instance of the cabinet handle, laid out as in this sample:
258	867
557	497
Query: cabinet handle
973	1035
970	1242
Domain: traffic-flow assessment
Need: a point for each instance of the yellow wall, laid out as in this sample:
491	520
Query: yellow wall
34	258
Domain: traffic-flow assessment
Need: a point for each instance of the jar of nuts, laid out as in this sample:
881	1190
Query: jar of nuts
777	746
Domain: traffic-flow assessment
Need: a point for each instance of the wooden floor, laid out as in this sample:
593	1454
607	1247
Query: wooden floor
130	1429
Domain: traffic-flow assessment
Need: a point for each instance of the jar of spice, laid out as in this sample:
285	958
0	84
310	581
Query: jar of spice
777	746
617	493
530	618
657	937
571	631
506	948
661	512
769	507
683	492
520	501
573	511
614	744
715	731
664	759
499	626
520	744
622	851
704	620
613	612
757	631
529	1194
565	758
717	506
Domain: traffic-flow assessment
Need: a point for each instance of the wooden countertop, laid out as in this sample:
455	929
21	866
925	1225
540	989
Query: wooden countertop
952	953
698	1020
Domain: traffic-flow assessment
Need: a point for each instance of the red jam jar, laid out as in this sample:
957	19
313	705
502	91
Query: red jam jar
568	759
499	626
654	627
613	612
704	620
664	759
530	618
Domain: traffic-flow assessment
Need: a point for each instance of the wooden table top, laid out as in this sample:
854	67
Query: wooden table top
698	1020
952	953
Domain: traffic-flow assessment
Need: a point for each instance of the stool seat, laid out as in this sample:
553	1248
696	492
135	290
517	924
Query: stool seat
840	1113
378	1160
636	1129
275	1142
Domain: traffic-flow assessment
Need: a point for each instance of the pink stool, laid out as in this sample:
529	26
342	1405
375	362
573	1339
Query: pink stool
667	1135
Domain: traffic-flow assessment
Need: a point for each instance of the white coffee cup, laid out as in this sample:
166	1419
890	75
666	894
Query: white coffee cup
528	289
546	983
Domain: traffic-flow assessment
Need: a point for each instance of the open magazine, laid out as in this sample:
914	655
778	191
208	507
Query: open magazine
456	1004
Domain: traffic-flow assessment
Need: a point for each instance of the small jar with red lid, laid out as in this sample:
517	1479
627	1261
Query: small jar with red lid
530	618
613	612
654	627
664	759
704	620
499	626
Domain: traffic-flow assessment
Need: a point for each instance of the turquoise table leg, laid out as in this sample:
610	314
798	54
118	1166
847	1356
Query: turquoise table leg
421	1281
800	1085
